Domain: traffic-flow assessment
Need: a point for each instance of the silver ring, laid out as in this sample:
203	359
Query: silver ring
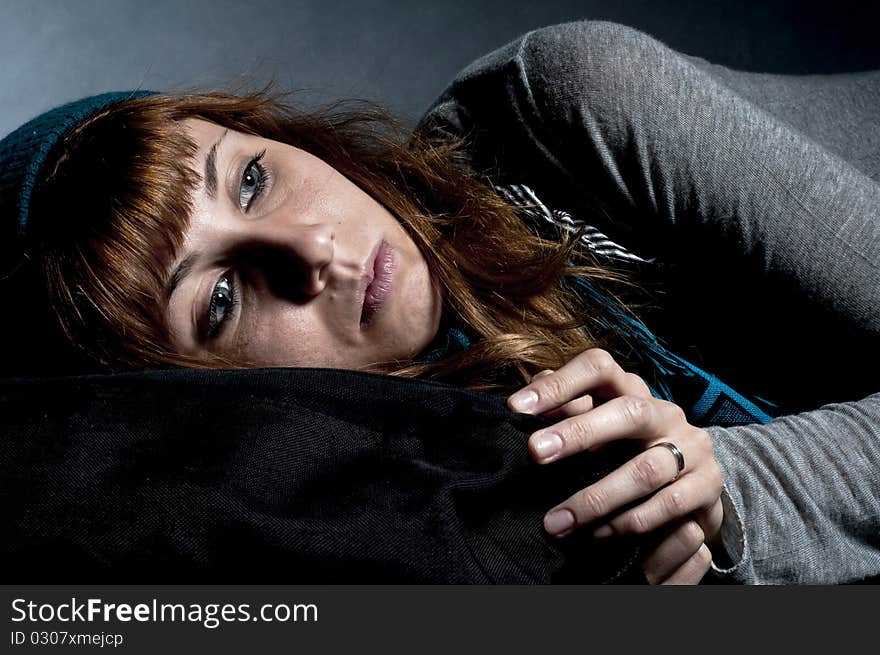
679	456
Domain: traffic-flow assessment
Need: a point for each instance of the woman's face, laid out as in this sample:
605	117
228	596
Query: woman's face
288	263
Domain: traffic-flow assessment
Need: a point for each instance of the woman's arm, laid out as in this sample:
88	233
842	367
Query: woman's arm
774	239
605	112
803	496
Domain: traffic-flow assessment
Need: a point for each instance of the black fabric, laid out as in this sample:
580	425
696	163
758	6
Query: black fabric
285	476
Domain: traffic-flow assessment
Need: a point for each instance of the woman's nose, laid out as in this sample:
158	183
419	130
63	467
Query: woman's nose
296	258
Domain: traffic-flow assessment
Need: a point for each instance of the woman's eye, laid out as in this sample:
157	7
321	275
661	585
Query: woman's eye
253	182
223	301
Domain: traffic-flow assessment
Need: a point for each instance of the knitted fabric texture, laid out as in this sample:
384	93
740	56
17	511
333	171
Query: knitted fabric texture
24	151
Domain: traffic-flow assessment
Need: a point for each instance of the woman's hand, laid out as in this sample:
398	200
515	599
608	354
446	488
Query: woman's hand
600	402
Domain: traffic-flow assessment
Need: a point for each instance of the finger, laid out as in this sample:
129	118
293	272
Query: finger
673	552
539	374
625	417
688	494
593	370
572	408
635	479
710	520
692	571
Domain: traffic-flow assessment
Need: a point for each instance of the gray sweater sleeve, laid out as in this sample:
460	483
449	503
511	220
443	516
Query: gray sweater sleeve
802	496
609	109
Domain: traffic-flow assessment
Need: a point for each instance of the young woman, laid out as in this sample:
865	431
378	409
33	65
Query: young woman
228	230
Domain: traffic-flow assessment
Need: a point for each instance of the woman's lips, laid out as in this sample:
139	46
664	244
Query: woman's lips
379	290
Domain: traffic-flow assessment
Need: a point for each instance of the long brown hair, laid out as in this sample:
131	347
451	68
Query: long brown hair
113	203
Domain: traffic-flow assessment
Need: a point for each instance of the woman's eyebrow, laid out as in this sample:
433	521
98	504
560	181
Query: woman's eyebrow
183	268
180	272
211	167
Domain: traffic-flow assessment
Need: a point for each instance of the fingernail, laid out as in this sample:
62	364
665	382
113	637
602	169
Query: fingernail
604	531
558	522
548	445
522	401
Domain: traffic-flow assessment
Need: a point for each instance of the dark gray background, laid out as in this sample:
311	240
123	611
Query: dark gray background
398	52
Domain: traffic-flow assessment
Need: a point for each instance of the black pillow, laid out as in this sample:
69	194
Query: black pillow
285	476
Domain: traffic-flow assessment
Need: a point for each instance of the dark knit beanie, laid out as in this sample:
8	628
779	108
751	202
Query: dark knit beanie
23	153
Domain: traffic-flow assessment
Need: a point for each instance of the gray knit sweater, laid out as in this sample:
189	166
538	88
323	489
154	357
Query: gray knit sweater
764	208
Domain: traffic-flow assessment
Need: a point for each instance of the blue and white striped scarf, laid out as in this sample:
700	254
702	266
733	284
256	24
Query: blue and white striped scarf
706	399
